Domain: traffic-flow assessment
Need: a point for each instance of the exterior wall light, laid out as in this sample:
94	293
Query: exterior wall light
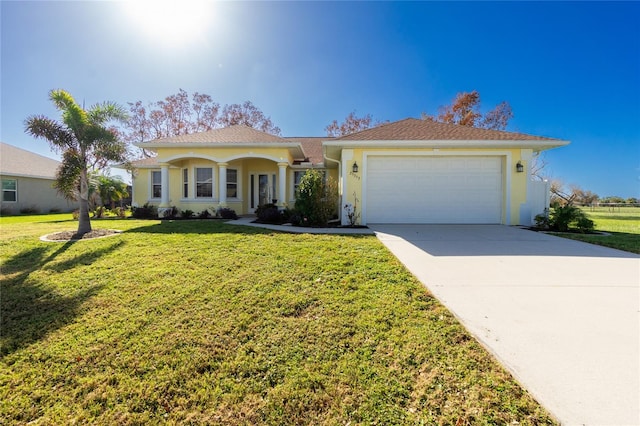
519	167
354	168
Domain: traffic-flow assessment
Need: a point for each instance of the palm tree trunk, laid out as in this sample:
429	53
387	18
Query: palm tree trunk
84	223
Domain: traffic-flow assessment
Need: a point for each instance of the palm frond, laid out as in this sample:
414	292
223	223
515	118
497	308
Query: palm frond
73	115
107	111
58	136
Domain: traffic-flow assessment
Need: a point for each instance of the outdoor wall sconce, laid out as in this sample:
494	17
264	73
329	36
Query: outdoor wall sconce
354	168
519	167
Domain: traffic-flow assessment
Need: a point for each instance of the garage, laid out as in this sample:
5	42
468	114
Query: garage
433	189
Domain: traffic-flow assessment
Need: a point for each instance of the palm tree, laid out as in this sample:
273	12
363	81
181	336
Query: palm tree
111	189
85	142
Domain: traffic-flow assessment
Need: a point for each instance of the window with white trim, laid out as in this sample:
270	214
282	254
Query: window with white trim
156	184
185	183
297	176
232	183
204	182
10	190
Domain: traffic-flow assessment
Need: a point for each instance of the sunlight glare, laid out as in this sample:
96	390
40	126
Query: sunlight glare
170	21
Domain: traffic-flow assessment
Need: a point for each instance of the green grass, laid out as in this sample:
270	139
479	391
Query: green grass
622	223
207	323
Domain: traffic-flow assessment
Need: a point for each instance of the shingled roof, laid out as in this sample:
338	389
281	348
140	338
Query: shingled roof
239	133
312	147
412	129
16	161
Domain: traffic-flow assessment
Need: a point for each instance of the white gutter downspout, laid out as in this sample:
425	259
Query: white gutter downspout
324	155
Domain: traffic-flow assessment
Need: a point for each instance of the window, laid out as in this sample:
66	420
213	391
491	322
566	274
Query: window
9	190
156	184
204	182
185	183
297	176
232	183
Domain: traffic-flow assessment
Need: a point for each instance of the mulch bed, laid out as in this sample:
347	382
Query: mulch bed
73	236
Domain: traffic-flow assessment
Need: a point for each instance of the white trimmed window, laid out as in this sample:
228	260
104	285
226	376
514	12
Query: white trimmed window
204	182
185	183
232	183
10	190
297	176
156	184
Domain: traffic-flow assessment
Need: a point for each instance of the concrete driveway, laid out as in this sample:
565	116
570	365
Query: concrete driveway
561	315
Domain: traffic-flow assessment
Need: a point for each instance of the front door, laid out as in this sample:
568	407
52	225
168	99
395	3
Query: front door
262	190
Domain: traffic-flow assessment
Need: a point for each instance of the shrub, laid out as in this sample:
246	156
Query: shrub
75	214
145	212
30	210
170	213
187	214
6	211
227	213
99	212
204	214
542	221
54	210
584	224
316	199
269	213
120	212
563	218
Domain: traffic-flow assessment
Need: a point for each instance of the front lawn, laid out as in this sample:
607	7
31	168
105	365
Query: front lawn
623	223
207	323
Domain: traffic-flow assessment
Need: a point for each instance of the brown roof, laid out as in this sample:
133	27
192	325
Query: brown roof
149	161
16	161
412	129
232	134
312	148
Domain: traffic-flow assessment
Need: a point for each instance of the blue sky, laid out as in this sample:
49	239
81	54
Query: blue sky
569	70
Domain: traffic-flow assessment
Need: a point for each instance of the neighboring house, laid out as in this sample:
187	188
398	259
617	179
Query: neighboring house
27	182
409	171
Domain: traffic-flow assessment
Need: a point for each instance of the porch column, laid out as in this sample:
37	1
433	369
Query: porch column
282	184
164	182
222	188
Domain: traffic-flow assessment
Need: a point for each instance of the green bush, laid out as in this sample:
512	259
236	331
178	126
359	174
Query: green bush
187	214
564	218
145	212
542	221
316	199
29	210
227	213
120	212
584	224
204	214
269	213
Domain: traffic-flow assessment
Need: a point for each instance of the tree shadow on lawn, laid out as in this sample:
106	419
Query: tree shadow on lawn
30	310
210	226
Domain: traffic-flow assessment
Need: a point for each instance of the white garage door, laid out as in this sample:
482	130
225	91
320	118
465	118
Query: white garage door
433	190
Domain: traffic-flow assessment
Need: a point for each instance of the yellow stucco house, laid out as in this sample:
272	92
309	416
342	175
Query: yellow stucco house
408	171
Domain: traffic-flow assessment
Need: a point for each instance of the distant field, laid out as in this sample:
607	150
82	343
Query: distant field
623	223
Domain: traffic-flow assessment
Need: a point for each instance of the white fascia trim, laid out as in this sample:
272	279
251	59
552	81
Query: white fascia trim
507	172
18	175
147	145
532	144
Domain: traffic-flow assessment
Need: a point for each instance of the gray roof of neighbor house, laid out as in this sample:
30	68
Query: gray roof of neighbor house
239	134
16	161
412	129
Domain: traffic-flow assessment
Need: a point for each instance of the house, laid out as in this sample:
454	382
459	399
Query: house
408	171
27	182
